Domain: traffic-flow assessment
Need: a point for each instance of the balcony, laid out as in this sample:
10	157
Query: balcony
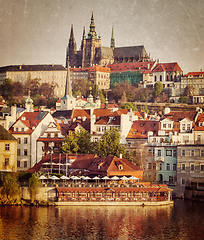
159	158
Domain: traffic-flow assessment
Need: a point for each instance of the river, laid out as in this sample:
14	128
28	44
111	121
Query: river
183	220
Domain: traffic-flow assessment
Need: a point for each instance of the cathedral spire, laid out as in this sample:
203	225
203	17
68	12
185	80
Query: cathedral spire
112	45
83	39
68	87
92	33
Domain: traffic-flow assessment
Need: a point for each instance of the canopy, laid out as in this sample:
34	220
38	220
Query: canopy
86	178
64	178
96	178
115	178
105	178
124	178
54	177
42	177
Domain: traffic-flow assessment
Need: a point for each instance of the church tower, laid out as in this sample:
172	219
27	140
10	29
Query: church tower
68	102
91	49
71	50
112	45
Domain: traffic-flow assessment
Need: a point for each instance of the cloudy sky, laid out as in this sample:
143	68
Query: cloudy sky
37	31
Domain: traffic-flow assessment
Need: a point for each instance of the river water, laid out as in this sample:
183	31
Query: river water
183	220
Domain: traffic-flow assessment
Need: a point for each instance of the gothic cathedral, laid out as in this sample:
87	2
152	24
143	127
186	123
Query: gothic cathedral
92	53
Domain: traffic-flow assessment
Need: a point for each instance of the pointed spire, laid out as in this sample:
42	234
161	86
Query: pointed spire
68	87
112	39
72	43
83	39
92	33
84	33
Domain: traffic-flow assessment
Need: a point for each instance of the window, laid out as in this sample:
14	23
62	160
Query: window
18	163
183	166
164	125
192	153
183	127
174	153
188	127
168	152
56	135
25	152
25	164
19	140
202	153
149	166
202	167
7	146
183	152
192	167
171	178
16	129
169	125
48	135
18	152
6	162
174	166
160	166
185	139
120	167
168	167
159	153
183	181
25	140
22	129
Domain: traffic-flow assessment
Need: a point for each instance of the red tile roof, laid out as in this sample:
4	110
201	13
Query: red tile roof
56	157
159	68
95	68
133	66
79	113
177	116
194	74
31	120
140	129
172	67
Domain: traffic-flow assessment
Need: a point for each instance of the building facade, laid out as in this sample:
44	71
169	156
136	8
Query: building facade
52	74
8	151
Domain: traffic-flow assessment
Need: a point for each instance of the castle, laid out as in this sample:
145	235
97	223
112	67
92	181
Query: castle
92	53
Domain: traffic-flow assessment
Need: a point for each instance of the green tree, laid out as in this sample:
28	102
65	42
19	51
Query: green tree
145	108
10	189
70	144
32	85
18	88
182	99
78	142
84	141
132	106
34	186
109	144
6	89
158	87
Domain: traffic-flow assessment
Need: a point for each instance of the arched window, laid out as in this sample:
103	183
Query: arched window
160	78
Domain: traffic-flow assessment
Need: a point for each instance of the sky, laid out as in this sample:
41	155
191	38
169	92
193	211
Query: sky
37	31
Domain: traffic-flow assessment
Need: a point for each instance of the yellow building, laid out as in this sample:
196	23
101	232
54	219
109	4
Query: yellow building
52	74
8	151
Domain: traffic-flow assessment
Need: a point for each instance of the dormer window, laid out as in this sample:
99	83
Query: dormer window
120	167
48	135
16	129
22	129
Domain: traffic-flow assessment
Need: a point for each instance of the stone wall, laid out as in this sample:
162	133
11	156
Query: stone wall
45	194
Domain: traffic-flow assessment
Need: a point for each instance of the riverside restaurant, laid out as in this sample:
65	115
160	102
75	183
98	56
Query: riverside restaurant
106	191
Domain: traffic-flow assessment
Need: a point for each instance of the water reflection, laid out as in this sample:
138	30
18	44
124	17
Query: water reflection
181	221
